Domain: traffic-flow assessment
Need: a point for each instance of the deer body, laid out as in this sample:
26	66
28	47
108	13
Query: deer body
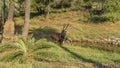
55	37
60	37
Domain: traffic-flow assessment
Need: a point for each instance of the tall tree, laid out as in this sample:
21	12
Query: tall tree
8	30
27	19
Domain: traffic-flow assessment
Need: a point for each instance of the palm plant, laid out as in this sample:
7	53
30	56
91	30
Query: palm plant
24	51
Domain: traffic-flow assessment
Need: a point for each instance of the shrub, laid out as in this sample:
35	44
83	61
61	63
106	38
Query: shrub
102	11
29	50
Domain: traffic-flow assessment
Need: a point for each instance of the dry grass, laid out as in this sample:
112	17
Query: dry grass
78	29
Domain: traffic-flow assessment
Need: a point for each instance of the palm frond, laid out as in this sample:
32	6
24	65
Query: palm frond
6	47
11	56
22	46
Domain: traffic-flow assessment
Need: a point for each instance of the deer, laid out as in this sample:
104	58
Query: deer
60	37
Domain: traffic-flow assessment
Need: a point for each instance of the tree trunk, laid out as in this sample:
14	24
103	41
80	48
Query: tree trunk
11	10
47	8
27	19
8	30
47	12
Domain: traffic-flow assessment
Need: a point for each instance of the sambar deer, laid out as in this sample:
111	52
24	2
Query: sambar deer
60	37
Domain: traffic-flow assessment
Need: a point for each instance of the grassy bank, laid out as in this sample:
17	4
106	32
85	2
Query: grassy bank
67	56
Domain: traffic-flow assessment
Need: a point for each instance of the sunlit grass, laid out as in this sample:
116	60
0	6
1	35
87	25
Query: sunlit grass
64	54
77	29
95	55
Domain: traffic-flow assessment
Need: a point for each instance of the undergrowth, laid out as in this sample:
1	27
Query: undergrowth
23	51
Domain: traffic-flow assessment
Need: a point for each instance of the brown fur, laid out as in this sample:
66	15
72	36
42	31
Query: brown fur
55	37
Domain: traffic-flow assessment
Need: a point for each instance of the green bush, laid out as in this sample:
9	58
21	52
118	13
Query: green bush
98	19
102	11
29	50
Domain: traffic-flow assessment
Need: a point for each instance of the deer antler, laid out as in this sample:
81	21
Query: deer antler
66	26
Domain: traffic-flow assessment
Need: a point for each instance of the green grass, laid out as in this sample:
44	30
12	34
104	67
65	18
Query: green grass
94	54
45	53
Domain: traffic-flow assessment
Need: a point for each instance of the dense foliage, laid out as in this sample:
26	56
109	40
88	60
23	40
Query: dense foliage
99	10
30	50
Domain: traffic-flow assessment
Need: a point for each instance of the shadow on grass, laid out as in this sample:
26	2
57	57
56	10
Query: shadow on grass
18	29
34	14
38	33
96	64
44	32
